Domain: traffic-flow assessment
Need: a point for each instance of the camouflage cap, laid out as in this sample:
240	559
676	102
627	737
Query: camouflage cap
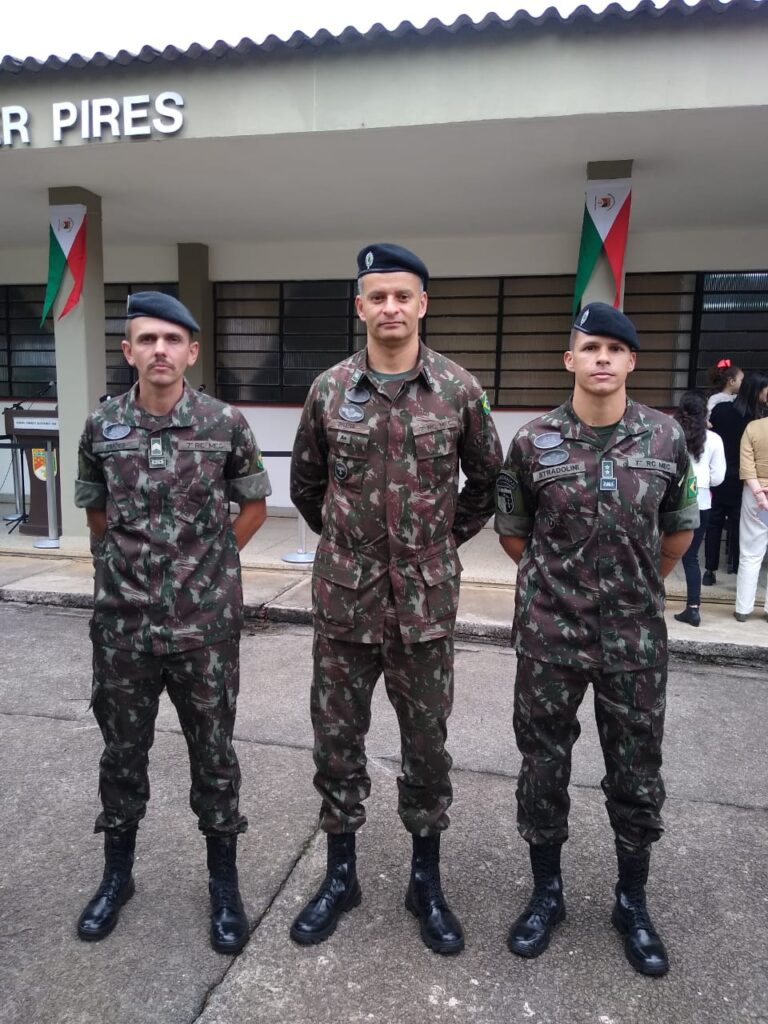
386	258
601	319
161	307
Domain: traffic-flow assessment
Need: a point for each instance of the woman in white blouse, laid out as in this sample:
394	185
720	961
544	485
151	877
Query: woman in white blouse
708	457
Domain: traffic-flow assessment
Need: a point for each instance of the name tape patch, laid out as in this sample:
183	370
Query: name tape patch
204	446
639	462
552	472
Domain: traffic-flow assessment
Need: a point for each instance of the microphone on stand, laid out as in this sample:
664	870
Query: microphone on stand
41	392
17	406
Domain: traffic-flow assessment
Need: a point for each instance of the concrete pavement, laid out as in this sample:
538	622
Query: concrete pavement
708	889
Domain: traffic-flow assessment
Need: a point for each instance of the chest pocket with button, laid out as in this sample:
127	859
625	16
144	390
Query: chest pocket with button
347	454
436	443
121	466
200	488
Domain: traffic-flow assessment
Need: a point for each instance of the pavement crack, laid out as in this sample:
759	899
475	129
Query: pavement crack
210	992
42	714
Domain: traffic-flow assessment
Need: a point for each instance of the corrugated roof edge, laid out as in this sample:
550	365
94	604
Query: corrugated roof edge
220	49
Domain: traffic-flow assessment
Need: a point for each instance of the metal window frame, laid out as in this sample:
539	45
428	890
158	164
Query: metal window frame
13	380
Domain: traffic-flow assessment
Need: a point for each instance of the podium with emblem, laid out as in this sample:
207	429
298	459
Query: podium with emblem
33	431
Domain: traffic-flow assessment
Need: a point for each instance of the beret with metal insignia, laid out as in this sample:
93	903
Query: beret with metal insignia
603	320
386	258
161	307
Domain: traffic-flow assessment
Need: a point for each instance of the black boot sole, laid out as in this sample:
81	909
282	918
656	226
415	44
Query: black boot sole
639	966
313	938
87	936
444	948
531	954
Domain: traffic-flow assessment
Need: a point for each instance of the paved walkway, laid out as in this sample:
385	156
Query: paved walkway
280	591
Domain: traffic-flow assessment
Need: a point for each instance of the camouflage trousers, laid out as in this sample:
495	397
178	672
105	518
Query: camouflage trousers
203	685
629	710
419	684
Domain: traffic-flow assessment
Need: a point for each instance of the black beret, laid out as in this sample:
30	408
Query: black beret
604	320
161	307
385	258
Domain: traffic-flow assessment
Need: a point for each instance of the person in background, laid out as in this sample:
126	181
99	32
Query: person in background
725	379
753	524
729	420
708	456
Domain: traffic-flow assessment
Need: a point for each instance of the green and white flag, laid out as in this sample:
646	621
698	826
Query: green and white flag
604	229
66	248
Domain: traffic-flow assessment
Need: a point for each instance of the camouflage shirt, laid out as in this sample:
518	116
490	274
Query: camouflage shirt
375	470
168	568
589	585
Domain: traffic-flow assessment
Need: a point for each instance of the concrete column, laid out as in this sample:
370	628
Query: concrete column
601	287
80	354
196	292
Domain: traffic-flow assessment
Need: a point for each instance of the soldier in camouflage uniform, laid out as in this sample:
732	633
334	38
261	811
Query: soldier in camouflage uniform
596	502
375	472
157	468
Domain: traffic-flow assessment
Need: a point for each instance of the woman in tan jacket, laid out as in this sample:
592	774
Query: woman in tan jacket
753	525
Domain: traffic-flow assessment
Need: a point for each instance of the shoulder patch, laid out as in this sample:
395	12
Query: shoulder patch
509	498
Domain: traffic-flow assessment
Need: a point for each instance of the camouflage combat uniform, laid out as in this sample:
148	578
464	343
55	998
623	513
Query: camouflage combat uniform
375	471
590	607
167	595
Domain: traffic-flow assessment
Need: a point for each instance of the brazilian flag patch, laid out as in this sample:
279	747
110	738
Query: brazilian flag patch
485	405
692	485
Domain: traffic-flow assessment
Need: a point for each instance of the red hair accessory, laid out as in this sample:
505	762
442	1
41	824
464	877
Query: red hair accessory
724	364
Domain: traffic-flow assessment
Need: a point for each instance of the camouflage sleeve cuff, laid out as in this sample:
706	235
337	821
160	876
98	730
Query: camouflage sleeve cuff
683	519
250	488
90	495
512	526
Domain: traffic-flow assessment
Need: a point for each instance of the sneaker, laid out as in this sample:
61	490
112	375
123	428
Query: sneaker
739	617
708	579
691	616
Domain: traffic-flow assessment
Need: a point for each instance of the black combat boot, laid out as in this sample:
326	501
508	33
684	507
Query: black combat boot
642	945
440	929
101	913
340	891
530	934
229	924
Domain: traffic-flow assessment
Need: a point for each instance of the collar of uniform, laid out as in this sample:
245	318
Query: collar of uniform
631	424
182	414
422	367
131	411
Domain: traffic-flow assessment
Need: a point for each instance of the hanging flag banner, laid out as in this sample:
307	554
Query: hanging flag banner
66	248
604	229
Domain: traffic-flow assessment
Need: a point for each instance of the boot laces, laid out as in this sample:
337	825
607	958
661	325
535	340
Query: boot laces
542	899
224	886
112	883
434	888
636	911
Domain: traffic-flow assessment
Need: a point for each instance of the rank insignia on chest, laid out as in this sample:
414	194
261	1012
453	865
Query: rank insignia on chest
351	413
608	481
157	459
